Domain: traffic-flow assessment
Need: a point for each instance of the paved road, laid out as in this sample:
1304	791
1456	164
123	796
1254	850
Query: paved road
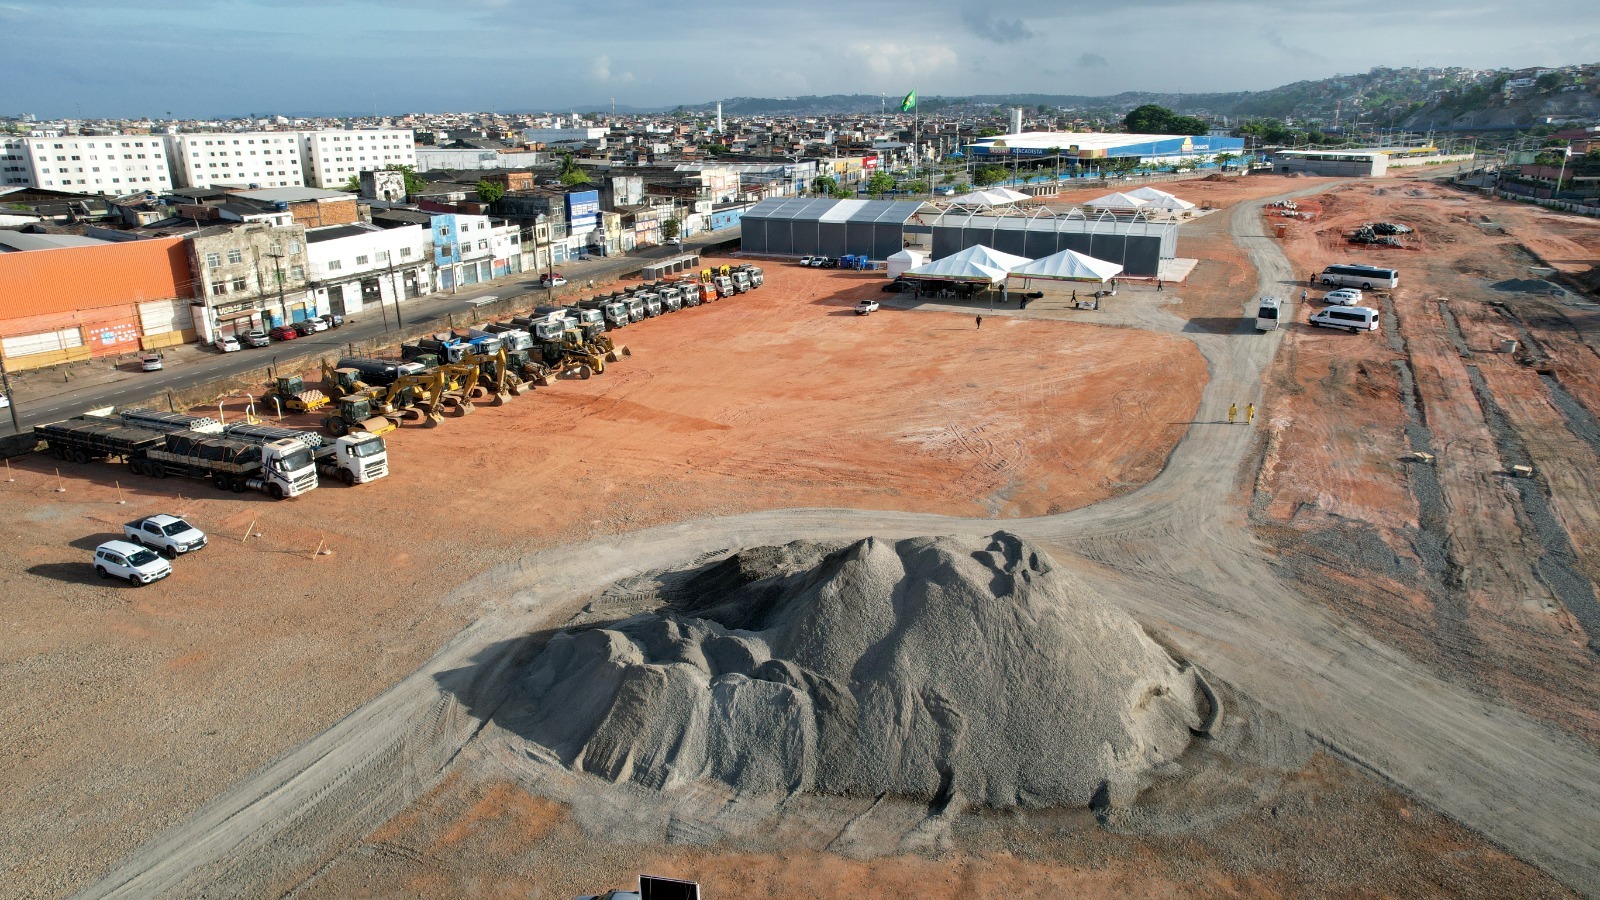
40	398
1176	553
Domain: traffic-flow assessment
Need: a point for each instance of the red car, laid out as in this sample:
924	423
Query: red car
284	333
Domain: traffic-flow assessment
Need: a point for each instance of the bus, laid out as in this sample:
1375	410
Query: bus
1364	277
1267	314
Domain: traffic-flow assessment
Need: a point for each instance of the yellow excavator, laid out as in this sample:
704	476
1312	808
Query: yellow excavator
496	377
461	379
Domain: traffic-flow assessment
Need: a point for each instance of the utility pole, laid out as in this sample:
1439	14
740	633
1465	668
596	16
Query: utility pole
5	385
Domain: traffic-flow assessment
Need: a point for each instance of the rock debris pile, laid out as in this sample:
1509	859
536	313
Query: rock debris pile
932	668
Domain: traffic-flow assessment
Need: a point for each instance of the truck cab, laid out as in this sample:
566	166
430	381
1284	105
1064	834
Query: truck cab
635	308
288	468
652	303
355	458
724	286
616	313
741	281
671	298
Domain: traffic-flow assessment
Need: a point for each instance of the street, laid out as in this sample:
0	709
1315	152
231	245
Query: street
50	395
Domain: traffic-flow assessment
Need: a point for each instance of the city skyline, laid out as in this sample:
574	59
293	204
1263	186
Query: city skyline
228	58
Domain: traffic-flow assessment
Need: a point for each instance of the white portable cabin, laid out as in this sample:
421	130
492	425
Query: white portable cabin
906	259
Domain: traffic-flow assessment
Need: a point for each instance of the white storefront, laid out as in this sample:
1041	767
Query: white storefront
366	270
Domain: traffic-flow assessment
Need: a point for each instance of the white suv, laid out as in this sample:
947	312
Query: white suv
136	564
1343	297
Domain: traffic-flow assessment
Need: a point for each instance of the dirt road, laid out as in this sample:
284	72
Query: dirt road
1176	553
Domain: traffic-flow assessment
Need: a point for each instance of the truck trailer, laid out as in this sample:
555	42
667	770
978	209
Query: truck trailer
281	468
354	458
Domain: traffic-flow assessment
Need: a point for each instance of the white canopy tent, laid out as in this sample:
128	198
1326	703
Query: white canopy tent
976	263
1157	199
905	260
1068	265
1118	201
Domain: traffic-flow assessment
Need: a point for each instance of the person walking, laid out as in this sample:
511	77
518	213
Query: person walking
980	321
1233	412
1249	413
1158	285
1074	295
1304	295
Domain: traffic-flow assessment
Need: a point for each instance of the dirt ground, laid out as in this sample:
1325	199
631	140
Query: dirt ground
1340	493
128	708
1326	832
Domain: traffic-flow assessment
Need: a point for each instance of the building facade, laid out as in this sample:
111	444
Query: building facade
115	164
360	268
469	250
261	159
329	159
248	277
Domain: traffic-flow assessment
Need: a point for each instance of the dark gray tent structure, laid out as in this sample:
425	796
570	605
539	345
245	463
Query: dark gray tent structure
1135	242
805	226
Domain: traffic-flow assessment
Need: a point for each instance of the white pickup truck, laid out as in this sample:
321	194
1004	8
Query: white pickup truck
168	535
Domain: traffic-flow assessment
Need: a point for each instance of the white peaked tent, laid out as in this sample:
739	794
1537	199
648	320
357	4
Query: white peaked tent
1068	265
1117	201
991	197
976	263
1155	199
905	260
1007	195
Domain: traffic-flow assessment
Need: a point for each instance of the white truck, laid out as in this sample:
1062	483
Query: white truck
355	458
168	535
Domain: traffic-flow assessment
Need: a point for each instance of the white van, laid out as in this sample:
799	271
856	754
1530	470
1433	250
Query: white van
1267	314
1353	318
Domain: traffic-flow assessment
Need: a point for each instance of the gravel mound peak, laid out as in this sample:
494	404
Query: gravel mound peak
935	668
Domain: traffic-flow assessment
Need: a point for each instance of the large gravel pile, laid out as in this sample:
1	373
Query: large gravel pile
934	668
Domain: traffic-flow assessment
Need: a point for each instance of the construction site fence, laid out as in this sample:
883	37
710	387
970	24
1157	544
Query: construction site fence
1582	209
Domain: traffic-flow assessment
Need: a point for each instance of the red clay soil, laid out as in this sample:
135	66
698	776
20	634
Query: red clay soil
1335	463
128	708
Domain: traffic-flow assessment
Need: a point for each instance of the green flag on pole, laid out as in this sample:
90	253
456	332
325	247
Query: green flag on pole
908	102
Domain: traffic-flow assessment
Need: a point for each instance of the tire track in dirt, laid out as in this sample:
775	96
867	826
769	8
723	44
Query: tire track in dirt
1173	552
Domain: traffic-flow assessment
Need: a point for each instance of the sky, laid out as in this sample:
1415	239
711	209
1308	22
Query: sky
223	58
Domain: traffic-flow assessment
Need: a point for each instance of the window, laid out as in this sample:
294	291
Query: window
238	285
213	261
234	257
383	256
334	265
219	289
296	273
362	260
405	252
294	247
483	245
444	230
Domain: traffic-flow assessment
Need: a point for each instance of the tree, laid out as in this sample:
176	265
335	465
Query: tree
670	228
989	132
983	176
353	185
824	184
570	172
489	192
414	182
1223	159
1549	81
1150	118
879	183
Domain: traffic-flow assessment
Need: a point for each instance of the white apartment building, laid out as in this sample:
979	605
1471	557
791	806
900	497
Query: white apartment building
357	268
99	164
261	159
330	158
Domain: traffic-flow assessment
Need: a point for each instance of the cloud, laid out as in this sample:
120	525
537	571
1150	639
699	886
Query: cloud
985	24
1093	61
904	61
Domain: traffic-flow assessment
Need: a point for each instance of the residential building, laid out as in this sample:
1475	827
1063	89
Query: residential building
309	207
471	249
254	159
115	164
331	158
248	276
354	268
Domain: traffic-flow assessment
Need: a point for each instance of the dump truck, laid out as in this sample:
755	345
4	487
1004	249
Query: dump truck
652	303
355	457
169	421
614	310
671	299
724	286
289	393
279	468
444	348
757	275
741	281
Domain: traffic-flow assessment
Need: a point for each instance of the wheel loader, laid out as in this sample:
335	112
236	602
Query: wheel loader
591	323
289	393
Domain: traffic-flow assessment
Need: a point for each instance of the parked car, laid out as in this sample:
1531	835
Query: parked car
333	320
898	286
304	328
547	280
150	362
4	401
866	306
1343	297
228	344
257	338
131	562
284	333
813	262
168	535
